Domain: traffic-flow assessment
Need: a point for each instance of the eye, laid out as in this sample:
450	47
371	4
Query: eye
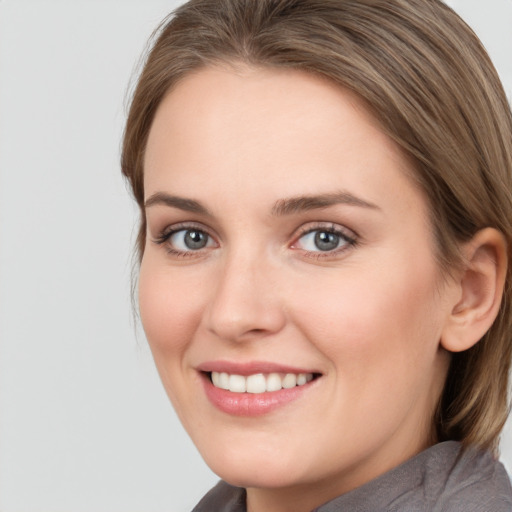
186	240
324	240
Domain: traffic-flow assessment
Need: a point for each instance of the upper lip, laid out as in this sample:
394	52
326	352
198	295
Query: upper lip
250	368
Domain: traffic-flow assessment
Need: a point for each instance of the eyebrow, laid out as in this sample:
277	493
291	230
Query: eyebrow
282	207
188	205
316	202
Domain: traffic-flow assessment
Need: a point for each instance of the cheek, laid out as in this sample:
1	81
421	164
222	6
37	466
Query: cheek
385	319
170	310
380	335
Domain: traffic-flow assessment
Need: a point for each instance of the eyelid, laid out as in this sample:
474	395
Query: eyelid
170	229
165	234
350	236
327	226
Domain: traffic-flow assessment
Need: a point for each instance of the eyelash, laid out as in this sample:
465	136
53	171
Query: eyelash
168	232
349	237
351	240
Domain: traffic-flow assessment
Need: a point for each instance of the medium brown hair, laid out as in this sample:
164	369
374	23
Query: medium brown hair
426	77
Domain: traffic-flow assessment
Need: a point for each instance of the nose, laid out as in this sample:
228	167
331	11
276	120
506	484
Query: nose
246	302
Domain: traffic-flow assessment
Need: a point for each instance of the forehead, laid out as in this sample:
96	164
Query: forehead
252	97
249	127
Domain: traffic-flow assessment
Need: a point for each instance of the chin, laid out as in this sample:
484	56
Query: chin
256	471
260	477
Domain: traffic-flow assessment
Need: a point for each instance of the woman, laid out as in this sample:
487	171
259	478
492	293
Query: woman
325	194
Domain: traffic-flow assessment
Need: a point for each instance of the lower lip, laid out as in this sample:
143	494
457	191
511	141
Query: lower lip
251	404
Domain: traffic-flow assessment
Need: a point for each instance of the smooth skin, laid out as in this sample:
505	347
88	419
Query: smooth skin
242	151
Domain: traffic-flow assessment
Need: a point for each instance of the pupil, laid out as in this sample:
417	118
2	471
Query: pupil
326	241
195	239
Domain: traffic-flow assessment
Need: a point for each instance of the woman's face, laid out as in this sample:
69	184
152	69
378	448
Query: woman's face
289	258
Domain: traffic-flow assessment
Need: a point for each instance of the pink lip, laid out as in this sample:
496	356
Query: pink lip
250	368
250	404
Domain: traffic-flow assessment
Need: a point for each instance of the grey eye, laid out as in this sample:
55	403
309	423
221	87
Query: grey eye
195	239
321	240
326	241
190	240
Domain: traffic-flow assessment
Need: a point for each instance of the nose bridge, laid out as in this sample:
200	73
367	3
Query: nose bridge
245	303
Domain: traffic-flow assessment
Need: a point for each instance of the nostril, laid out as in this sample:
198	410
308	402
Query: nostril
239	310
257	331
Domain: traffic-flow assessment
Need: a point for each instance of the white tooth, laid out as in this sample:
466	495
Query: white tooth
301	379
223	380
289	381
259	383
274	382
256	383
237	384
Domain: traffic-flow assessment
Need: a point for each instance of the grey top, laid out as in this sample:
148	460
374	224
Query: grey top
440	479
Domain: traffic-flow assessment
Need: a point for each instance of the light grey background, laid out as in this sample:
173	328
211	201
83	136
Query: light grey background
84	422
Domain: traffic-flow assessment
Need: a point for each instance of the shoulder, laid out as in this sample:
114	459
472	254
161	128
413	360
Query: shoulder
222	498
443	478
451	479
474	482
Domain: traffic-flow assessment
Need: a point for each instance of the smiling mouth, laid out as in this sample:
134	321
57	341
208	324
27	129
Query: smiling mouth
259	382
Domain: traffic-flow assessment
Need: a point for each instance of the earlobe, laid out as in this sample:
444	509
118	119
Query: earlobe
480	284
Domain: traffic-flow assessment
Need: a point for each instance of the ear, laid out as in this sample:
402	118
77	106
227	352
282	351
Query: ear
479	291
